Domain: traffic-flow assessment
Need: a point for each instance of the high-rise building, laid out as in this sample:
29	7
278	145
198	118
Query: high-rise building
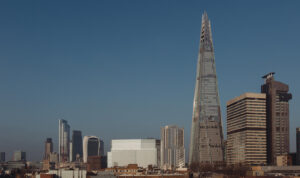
71	152
142	152
101	148
298	145
91	147
76	145
277	117
19	156
172	147
158	147
206	144
48	148
246	130
2	157
63	141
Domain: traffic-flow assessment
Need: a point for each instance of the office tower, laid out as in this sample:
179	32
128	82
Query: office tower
2	157
298	145
91	147
277	117
142	152
19	156
172	147
76	145
64	140
206	144
101	148
71	152
158	152
246	129
48	148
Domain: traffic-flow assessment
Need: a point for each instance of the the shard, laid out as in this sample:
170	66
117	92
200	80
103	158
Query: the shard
206	146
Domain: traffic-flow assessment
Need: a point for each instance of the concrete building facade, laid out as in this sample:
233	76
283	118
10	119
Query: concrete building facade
142	152
247	130
172	147
277	97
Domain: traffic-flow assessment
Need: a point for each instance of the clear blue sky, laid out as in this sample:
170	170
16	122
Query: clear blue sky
123	69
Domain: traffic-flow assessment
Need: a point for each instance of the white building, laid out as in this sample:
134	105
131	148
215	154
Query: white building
142	152
62	173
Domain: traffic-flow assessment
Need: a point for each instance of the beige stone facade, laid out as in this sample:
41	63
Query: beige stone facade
246	130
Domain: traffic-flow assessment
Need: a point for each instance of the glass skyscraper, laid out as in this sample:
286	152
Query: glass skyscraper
91	147
76	144
64	140
206	144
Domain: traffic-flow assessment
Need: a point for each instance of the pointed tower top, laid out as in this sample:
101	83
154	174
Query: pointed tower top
204	16
206	37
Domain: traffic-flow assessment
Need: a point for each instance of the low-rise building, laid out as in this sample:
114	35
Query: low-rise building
142	152
63	173
284	160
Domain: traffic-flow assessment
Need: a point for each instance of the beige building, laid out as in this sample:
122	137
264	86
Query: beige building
284	160
246	129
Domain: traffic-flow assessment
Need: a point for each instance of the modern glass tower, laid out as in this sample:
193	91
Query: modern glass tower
76	145
64	140
91	147
206	146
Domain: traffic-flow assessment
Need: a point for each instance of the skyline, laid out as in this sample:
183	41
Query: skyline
53	68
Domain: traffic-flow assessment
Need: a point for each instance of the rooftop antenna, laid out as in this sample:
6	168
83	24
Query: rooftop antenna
268	76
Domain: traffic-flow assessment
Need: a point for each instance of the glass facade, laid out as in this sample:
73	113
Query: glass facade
206	144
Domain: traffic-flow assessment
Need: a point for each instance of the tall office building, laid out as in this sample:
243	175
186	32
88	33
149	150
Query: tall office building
76	145
158	147
71	152
277	117
206	145
2	157
101	148
19	156
246	130
63	141
48	148
298	145
91	147
172	147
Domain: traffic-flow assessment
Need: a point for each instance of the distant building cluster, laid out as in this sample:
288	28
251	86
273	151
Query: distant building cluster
257	135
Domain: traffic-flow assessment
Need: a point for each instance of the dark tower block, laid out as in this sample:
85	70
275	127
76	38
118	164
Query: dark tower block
277	104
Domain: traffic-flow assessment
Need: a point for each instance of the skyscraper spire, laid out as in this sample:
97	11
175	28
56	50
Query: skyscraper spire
206	144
